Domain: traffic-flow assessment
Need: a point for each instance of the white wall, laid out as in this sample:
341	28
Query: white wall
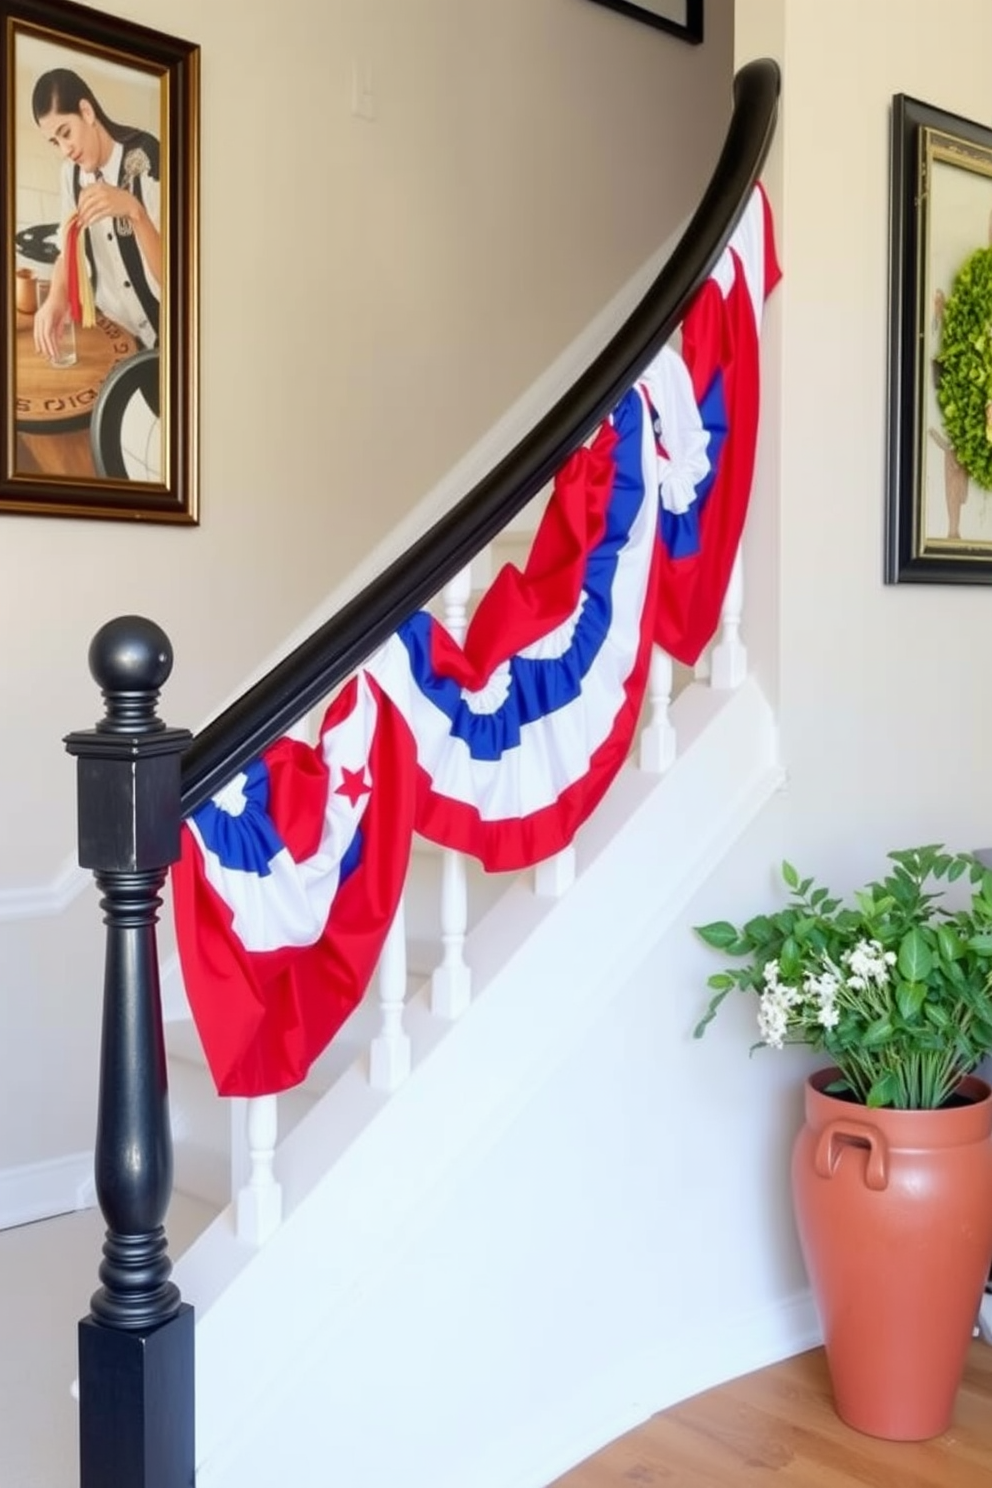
374	295
885	697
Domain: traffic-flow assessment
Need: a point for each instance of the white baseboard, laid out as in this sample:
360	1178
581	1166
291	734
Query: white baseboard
42	1190
44	901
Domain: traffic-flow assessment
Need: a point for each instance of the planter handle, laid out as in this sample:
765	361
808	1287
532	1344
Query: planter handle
841	1133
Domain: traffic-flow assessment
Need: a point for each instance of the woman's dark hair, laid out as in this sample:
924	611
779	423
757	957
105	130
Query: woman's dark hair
62	91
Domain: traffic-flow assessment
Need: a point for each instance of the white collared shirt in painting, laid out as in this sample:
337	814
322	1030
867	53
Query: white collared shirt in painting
115	294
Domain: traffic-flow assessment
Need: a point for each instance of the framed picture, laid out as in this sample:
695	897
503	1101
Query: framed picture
680	17
98	310
939	477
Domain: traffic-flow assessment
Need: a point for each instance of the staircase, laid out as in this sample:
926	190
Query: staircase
385	1256
366	1174
361	1171
482	1238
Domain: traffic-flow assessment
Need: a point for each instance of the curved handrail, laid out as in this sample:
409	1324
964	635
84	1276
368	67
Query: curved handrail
310	672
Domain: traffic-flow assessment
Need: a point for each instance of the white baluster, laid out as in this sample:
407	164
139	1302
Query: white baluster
555	876
729	664
240	1160
658	737
451	982
259	1206
456	595
258	1201
389	1052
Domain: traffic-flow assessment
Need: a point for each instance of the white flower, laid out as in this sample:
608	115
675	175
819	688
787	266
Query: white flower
868	963
828	1016
823	987
773	1016
771	1030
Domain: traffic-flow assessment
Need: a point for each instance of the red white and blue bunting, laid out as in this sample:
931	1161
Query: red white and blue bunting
502	746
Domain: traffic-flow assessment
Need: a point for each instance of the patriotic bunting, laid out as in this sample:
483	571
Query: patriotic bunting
720	354
519	732
499	747
288	882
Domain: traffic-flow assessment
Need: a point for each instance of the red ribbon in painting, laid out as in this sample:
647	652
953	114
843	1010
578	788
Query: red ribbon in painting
82	308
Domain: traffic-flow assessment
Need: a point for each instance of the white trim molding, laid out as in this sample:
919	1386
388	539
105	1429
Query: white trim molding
41	1190
44	900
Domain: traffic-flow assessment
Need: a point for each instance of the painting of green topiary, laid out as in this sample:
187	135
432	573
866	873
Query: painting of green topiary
964	388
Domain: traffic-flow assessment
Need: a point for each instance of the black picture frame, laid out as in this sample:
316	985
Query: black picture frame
682	18
938	522
134	294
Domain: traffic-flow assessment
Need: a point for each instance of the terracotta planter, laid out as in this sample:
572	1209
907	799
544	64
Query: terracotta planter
894	1211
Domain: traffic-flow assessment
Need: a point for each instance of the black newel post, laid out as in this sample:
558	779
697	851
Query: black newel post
136	1346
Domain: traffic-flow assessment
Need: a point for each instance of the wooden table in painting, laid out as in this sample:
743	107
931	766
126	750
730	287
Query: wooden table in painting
54	404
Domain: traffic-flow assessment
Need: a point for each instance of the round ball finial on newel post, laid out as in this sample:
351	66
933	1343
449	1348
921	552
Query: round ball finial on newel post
130	661
128	792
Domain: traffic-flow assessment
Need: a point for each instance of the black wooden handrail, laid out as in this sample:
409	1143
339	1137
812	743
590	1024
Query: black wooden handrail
332	653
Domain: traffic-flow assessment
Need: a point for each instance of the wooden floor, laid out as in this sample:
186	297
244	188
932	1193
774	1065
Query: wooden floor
778	1426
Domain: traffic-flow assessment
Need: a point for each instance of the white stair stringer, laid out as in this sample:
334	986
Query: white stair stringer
362	1168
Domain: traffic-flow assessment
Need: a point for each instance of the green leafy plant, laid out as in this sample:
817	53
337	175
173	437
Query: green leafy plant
894	987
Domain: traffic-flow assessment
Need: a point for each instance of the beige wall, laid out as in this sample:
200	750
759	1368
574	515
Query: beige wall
374	295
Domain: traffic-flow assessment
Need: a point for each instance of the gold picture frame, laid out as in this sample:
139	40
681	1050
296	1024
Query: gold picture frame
98	310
